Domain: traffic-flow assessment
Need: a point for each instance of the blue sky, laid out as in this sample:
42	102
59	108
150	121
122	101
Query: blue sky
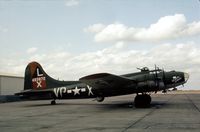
73	38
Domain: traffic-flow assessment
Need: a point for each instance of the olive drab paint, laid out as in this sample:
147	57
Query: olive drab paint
39	85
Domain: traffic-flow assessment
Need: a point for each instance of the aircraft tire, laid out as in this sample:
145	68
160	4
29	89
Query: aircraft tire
100	99
142	101
53	102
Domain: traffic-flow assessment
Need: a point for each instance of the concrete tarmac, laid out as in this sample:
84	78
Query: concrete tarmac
178	111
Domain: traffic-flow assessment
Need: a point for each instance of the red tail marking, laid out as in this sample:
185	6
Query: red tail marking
38	79
39	82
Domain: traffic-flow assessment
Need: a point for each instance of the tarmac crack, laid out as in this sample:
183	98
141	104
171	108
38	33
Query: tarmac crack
134	123
175	125
143	117
194	105
46	127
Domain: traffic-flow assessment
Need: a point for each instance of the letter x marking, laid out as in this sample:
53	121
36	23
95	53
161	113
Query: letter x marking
39	83
89	90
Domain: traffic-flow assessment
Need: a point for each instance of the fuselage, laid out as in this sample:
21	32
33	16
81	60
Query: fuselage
38	85
142	82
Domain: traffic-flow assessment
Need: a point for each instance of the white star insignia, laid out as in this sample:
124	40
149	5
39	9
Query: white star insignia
76	91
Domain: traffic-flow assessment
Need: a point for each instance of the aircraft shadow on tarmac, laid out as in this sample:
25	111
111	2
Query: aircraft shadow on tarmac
127	105
107	105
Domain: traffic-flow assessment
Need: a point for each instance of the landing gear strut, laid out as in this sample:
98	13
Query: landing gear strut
142	101
53	102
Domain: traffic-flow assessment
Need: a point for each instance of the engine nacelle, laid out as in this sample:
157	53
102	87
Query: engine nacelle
151	85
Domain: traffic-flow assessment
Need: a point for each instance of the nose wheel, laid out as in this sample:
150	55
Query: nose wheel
142	101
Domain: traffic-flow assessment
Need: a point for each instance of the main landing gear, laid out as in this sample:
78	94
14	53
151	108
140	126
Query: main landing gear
142	101
53	102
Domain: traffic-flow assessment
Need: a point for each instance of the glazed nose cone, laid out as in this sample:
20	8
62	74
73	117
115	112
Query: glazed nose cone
186	76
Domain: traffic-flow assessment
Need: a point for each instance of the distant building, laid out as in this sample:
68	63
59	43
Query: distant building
10	84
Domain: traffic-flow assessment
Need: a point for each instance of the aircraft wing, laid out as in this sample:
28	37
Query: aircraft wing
105	80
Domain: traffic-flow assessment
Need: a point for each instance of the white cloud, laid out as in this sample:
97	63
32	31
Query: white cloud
115	59
168	27
95	28
70	3
3	29
31	50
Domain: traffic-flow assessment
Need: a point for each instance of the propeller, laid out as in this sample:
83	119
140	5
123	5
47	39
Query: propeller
156	76
164	77
160	81
156	70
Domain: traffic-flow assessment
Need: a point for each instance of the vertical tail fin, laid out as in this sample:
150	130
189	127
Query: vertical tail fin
36	78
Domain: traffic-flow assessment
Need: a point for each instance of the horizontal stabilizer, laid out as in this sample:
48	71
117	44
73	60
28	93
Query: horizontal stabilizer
36	94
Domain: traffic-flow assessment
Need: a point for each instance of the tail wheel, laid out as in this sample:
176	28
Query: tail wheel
53	102
100	99
142	101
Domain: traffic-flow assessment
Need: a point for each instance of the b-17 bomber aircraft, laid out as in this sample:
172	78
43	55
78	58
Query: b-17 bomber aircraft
40	86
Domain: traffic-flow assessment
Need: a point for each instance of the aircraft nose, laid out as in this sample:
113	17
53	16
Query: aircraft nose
186	76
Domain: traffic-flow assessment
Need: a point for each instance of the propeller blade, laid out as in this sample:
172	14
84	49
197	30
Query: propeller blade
163	75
